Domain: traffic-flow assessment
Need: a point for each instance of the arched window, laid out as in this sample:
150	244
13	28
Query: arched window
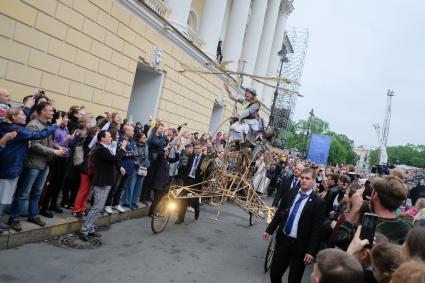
193	21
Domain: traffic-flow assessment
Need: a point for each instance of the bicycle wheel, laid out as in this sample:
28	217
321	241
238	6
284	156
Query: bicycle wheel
251	219
161	215
269	254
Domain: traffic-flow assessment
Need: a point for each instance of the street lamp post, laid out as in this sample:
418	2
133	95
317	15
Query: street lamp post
283	59
308	131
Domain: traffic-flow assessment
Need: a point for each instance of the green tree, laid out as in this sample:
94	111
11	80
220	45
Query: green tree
413	155
341	150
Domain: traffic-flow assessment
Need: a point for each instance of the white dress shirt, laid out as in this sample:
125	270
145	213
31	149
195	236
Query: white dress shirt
195	164
294	229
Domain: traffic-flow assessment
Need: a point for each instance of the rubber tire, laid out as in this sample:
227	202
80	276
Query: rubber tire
251	219
162	202
269	254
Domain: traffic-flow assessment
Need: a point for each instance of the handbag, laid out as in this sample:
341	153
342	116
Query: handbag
78	156
143	171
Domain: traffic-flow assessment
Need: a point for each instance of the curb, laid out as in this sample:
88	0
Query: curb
13	239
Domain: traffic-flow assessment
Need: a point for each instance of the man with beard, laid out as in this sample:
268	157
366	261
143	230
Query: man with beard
388	194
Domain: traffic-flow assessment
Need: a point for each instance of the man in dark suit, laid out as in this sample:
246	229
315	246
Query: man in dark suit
298	222
288	183
194	176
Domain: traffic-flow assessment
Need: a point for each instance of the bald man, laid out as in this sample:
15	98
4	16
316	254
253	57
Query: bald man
4	103
290	182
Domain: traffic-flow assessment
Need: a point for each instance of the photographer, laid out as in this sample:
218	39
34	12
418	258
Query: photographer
388	194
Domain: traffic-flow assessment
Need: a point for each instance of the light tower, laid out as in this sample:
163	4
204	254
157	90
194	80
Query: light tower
387	120
383	136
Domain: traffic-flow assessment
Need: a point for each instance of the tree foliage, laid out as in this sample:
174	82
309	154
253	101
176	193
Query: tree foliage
341	150
413	155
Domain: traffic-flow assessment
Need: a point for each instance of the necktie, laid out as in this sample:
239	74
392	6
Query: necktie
294	183
291	218
195	165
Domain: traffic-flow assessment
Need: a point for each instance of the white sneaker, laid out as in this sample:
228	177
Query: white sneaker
108	209
119	208
191	209
141	204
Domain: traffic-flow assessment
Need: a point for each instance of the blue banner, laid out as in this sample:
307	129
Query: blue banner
318	151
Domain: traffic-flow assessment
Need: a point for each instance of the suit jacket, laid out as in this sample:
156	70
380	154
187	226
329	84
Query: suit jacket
309	224
329	199
198	172
284	187
105	163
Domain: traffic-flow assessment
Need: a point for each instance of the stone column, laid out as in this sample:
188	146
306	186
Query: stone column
179	13
286	9
266	43
252	38
232	45
211	24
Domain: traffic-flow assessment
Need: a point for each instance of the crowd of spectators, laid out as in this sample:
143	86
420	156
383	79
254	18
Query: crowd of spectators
55	161
51	160
344	257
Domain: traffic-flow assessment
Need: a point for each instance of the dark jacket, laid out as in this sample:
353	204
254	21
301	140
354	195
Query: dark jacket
156	145
129	159
309	224
15	152
143	156
198	173
72	124
85	141
284	187
105	163
161	178
329	199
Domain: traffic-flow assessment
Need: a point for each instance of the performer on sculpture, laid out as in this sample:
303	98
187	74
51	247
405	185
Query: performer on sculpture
247	123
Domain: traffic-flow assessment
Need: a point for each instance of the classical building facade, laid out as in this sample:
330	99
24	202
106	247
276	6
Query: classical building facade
128	55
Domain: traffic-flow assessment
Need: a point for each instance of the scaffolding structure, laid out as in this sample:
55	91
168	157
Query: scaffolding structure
292	70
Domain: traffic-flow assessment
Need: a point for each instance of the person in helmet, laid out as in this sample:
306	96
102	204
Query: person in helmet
247	118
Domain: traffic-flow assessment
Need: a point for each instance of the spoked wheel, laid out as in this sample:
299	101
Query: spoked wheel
269	254
161	215
251	219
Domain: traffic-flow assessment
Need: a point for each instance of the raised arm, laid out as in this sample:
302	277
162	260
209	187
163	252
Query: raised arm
232	96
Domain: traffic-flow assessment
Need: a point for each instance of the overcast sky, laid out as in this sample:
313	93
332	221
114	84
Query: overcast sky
357	51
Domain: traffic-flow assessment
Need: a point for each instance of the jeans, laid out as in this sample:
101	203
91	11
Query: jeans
51	195
100	194
114	196
30	185
127	196
137	189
